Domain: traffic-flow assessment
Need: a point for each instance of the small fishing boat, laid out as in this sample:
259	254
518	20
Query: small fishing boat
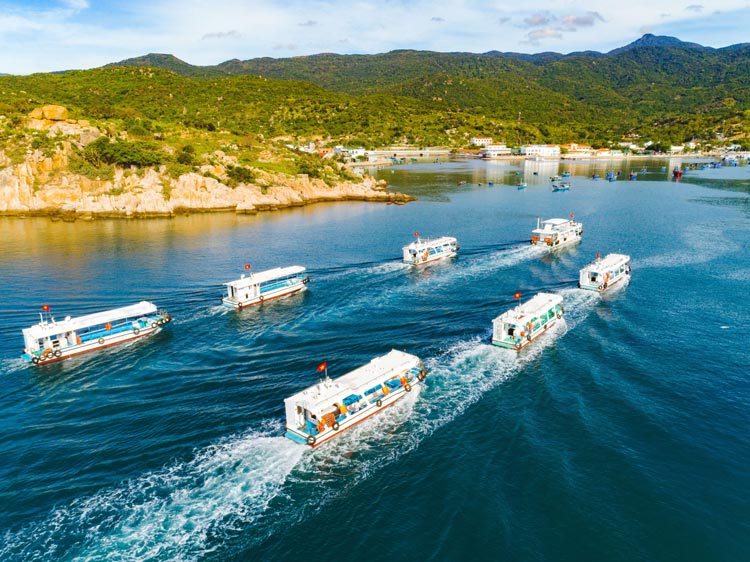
265	286
604	272
566	174
555	178
51	340
564	186
518	327
522	185
324	410
424	251
557	232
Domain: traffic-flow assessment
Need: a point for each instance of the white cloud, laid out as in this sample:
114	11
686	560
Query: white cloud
80	33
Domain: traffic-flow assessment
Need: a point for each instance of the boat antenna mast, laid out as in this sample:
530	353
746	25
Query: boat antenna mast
323	368
45	318
517	296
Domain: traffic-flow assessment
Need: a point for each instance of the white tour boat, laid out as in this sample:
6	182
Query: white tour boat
265	285
428	250
604	272
329	407
519	326
557	232
53	340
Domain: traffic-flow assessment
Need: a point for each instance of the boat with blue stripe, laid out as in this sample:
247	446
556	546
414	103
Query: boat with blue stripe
326	409
518	327
265	286
427	250
602	273
51	340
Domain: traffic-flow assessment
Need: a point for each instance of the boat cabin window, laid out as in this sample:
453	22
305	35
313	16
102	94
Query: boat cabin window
511	330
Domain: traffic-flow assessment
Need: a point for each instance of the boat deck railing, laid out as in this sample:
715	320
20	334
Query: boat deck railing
273	286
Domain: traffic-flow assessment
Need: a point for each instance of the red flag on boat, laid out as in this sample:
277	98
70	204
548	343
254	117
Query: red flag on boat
322	367
416	234
598	255
45	308
247	266
572	216
517	295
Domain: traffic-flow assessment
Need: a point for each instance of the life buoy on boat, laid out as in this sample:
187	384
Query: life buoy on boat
260	298
605	285
422	374
57	353
136	331
528	337
559	315
46	351
154	324
562	309
335	426
379	403
100	340
407	387
518	345
108	326
311	440
35	360
600	287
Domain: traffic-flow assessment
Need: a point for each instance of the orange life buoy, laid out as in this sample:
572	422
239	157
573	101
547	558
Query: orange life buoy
108	326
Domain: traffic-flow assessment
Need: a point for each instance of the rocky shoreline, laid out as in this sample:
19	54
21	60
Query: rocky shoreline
44	185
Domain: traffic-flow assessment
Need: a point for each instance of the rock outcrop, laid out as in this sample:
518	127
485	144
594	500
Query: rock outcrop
43	186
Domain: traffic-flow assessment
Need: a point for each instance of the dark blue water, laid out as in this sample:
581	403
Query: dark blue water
624	434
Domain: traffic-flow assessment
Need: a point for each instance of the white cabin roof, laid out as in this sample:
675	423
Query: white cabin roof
423	243
322	395
263	276
45	329
610	261
522	313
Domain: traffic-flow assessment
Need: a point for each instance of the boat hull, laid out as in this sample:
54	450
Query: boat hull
365	413
432	258
560	243
603	286
519	343
265	297
95	345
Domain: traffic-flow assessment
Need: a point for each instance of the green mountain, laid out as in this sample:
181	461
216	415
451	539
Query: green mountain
656	88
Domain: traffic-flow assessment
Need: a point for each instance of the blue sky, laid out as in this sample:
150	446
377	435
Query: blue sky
48	35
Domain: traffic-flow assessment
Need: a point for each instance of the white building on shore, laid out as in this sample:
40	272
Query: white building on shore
541	151
494	151
480	141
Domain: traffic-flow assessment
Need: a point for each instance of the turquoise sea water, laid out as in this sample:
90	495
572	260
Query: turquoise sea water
624	434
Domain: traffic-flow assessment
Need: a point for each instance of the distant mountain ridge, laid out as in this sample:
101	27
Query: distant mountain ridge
238	66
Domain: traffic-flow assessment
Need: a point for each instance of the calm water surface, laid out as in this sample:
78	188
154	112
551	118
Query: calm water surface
624	434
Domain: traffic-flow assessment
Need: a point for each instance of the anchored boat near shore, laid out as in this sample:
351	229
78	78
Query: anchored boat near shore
602	273
518	327
425	251
556	232
51	340
265	286
324	410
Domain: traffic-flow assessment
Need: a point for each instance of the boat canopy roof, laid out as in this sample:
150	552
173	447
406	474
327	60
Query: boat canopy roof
422	243
322	395
521	314
264	276
53	327
610	261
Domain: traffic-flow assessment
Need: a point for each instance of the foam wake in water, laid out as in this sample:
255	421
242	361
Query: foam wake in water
177	513
255	484
440	274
